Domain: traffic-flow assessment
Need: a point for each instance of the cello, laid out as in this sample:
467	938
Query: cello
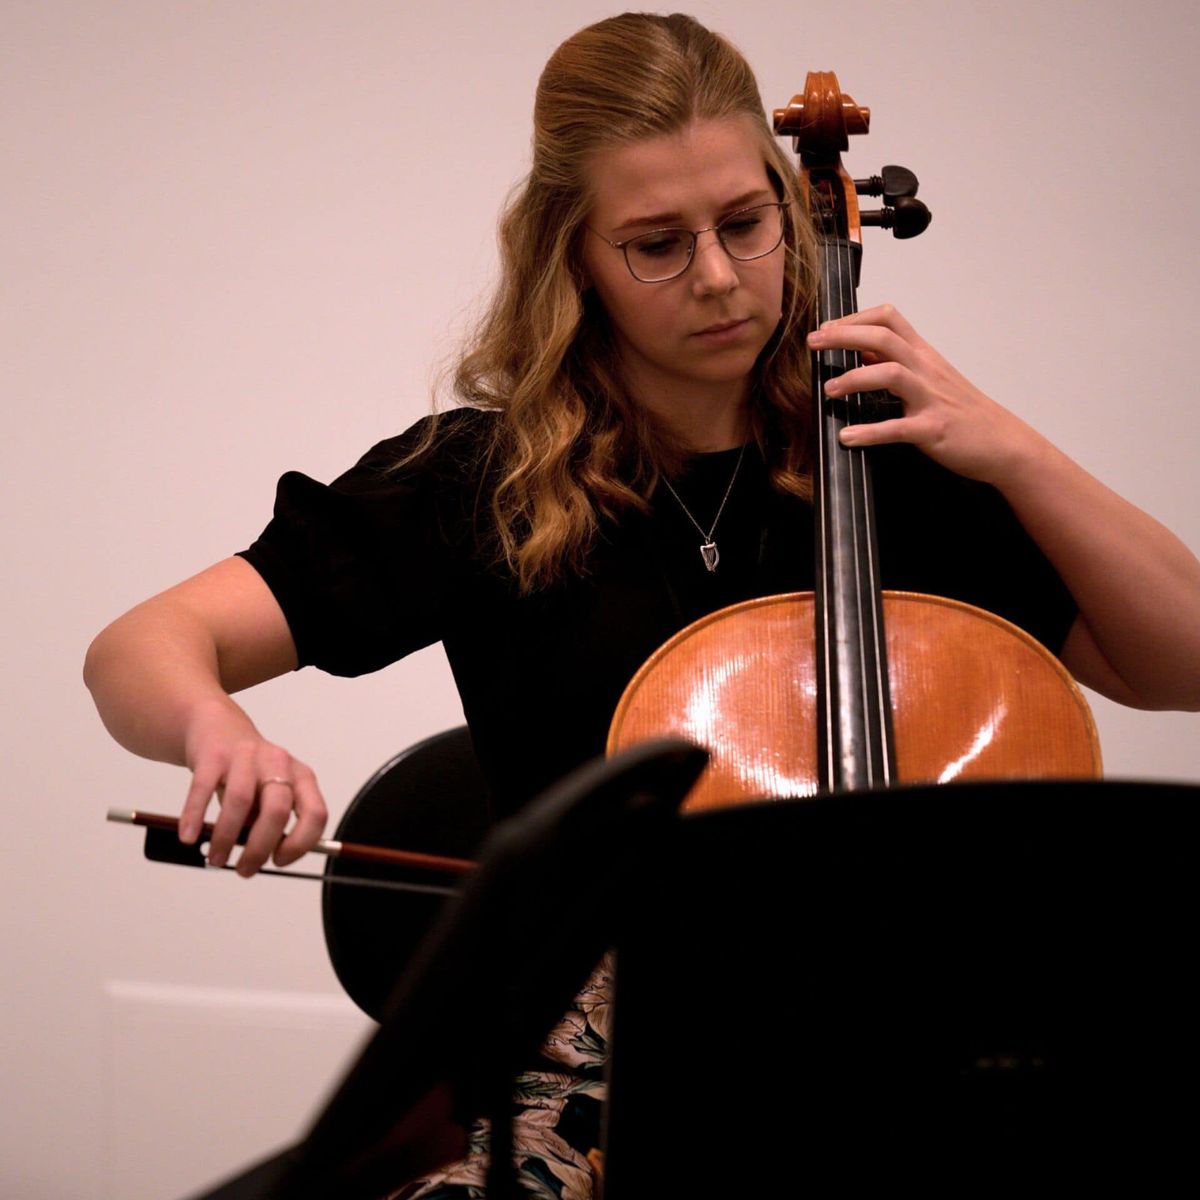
850	687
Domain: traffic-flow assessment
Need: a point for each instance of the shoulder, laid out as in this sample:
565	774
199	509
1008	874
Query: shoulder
432	483
441	465
422	482
439	448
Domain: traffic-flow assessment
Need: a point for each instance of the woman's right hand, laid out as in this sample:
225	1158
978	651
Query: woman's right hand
256	782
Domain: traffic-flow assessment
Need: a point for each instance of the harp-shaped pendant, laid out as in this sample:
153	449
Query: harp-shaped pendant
710	554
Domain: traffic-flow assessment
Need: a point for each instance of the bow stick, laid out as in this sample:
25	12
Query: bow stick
163	845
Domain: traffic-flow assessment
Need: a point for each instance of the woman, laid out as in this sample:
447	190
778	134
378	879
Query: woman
632	453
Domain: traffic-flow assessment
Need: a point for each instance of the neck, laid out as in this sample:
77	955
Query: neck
704	420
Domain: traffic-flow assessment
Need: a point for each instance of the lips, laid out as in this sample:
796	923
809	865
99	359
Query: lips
724	333
722	326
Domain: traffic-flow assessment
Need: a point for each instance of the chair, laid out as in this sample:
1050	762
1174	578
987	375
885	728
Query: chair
431	797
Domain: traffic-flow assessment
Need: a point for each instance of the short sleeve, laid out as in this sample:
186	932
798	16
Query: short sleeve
366	569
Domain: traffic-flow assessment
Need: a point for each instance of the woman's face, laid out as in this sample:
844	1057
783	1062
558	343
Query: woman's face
693	339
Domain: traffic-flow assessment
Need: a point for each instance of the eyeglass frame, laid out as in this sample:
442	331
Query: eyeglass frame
782	205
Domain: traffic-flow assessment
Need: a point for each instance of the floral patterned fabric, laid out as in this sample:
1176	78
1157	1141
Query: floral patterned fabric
558	1105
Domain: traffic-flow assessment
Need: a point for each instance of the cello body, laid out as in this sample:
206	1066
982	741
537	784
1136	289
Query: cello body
973	697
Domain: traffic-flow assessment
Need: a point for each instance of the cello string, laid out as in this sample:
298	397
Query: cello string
838	287
871	682
856	494
823	375
873	621
846	303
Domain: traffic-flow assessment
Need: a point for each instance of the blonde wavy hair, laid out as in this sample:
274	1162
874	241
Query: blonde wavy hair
571	447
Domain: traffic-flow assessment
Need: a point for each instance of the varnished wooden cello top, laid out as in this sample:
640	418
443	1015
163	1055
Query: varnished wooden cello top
974	697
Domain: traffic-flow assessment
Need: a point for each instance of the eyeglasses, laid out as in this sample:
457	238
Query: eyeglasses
664	254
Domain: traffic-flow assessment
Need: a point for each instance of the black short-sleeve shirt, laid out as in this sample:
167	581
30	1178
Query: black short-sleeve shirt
381	563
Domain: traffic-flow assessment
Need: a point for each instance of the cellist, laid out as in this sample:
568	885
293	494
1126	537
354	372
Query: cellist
632	451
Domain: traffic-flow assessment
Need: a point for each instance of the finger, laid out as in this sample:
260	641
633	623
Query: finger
878	433
237	799
191	817
887	315
311	815
874	341
275	800
890	377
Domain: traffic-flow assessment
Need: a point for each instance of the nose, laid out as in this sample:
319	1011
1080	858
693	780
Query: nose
713	271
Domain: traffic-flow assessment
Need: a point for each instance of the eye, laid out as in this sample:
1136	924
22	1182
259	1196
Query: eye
660	244
741	224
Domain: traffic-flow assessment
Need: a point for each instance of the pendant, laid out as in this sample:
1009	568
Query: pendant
710	554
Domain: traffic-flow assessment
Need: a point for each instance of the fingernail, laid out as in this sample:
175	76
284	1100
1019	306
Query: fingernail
833	387
216	859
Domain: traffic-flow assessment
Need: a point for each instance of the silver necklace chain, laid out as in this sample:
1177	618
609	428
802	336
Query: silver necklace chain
708	548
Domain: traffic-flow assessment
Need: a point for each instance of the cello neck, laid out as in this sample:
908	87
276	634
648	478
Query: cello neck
854	708
854	725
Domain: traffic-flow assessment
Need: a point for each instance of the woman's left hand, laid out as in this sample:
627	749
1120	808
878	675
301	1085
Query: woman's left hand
945	415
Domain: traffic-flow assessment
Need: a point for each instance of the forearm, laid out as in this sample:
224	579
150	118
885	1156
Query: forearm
151	672
1136	584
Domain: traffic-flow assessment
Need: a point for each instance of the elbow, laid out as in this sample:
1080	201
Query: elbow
1160	696
98	675
99	661
1173	688
1189	702
1161	675
93	662
108	649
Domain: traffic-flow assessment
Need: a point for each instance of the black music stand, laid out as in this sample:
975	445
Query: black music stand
523	934
928	985
945	986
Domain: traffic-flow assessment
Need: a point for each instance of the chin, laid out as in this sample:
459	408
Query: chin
731	367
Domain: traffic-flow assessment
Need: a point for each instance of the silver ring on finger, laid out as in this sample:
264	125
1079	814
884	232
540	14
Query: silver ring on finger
287	783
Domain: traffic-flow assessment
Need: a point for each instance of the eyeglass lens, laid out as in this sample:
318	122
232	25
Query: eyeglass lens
665	253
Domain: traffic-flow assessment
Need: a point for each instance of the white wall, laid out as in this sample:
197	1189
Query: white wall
238	237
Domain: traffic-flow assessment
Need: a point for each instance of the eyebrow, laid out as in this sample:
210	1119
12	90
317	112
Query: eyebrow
659	220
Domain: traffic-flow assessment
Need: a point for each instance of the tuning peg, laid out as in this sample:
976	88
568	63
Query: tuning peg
892	184
906	218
